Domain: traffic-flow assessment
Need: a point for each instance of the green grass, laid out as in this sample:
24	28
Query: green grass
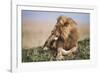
38	54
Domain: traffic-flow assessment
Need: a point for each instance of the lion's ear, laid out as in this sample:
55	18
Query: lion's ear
62	22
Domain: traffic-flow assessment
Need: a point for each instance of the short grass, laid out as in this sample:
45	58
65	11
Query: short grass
39	55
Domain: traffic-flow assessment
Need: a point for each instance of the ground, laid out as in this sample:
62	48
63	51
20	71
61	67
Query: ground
38	54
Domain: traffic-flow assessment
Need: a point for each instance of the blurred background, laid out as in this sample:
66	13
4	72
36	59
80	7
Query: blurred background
37	26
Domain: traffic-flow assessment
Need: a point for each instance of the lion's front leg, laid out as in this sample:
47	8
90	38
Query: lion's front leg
59	54
72	50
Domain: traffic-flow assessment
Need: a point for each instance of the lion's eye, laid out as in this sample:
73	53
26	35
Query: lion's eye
52	32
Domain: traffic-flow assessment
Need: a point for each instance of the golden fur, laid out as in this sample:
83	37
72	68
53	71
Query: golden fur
64	37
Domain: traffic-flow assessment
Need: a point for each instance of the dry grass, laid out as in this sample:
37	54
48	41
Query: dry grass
38	54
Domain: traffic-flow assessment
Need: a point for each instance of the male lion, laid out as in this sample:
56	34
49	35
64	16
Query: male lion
64	37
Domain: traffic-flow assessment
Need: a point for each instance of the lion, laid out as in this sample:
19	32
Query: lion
64	37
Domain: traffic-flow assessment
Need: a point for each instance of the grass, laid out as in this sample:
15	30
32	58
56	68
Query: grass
38	54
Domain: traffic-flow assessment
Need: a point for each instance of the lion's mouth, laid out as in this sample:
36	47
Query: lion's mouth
56	38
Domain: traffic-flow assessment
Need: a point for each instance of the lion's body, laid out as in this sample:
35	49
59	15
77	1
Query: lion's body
66	33
68	43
